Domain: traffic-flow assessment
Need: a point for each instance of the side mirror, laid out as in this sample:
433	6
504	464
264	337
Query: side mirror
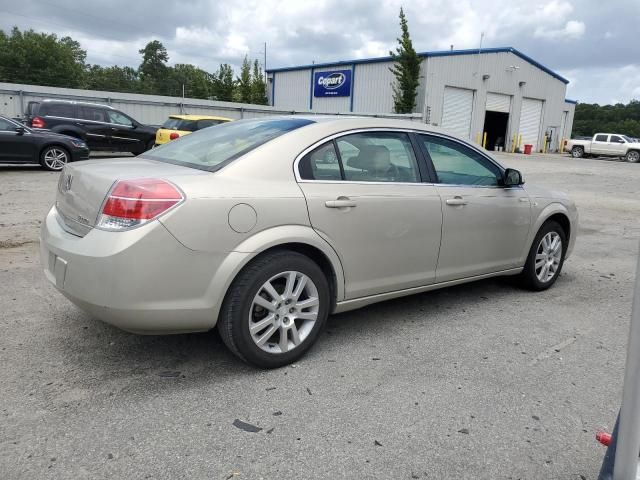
512	178
20	130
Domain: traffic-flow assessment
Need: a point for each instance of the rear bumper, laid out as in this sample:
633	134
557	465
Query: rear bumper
142	280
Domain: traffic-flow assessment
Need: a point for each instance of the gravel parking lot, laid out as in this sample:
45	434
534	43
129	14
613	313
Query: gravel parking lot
478	381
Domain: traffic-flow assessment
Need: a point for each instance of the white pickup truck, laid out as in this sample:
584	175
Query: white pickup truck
605	145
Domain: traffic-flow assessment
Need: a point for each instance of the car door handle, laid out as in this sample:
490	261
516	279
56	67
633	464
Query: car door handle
456	201
341	202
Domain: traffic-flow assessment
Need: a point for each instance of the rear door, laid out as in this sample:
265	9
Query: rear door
366	197
485	226
95	123
600	145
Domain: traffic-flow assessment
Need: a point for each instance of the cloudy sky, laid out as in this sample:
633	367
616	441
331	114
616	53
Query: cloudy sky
593	43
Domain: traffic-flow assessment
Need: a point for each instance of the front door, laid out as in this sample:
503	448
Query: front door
366	198
617	146
485	226
15	147
124	134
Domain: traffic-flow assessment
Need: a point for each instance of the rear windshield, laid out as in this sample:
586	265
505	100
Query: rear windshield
212	148
190	125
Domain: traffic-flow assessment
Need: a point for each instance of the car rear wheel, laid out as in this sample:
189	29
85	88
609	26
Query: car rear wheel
54	158
546	257
577	152
275	309
632	156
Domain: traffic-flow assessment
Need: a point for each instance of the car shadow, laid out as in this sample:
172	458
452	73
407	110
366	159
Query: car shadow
123	360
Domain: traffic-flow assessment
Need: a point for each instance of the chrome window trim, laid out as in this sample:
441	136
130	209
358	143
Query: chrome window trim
73	119
296	169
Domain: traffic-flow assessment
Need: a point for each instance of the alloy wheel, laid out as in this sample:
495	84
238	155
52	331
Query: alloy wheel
548	256
283	312
55	158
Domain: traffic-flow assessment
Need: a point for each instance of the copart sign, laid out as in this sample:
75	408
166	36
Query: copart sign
334	83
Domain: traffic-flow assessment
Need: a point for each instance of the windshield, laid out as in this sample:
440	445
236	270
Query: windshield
627	139
212	148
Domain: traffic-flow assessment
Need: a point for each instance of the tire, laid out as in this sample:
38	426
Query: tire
54	158
536	280
632	156
577	152
240	309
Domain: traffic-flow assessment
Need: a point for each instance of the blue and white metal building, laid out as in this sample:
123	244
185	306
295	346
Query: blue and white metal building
500	91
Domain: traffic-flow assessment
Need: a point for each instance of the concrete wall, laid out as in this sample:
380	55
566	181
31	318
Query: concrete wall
149	109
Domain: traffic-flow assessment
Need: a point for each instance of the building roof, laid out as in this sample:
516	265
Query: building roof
444	53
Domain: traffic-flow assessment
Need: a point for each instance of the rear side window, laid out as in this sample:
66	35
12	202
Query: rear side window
363	157
94	114
601	138
208	123
65	110
212	148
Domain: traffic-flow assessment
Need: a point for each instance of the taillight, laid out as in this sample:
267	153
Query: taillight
37	122
133	202
174	135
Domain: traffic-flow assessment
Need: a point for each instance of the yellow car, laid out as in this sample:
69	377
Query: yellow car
179	125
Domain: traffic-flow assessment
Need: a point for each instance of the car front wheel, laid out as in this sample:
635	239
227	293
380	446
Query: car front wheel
633	156
54	158
275	309
546	257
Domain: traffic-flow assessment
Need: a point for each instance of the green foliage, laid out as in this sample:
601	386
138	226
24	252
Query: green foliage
406	70
244	82
590	119
44	59
41	59
258	86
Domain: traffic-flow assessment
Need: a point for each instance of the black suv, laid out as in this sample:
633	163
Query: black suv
101	126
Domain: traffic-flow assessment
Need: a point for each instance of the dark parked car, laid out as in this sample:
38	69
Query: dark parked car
20	144
101	126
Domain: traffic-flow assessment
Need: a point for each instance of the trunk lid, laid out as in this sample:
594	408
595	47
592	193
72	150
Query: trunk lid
83	187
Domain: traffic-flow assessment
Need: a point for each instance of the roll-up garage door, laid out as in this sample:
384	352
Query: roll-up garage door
530	120
497	102
456	111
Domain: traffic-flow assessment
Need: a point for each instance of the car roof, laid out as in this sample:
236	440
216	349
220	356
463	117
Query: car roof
74	102
200	117
355	122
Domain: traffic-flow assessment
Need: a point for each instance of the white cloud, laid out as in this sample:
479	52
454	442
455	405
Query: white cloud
573	29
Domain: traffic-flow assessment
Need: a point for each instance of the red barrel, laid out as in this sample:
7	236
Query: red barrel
527	149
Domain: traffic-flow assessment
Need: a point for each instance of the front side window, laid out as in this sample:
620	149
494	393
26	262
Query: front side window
601	138
616	139
211	148
119	118
457	164
378	157
7	126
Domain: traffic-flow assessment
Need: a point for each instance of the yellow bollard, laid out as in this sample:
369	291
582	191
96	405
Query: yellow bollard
513	144
478	138
484	140
544	147
519	141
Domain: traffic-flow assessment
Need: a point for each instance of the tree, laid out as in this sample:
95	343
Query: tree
406	70
224	84
119	79
153	69
590	119
258	86
41	59
244	82
197	82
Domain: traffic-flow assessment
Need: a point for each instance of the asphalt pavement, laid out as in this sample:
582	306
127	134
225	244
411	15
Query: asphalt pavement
480	381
